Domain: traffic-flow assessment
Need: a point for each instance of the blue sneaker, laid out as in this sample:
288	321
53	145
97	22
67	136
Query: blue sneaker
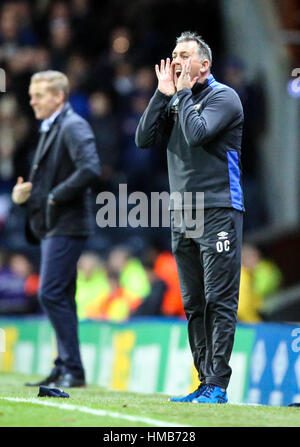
190	397
212	394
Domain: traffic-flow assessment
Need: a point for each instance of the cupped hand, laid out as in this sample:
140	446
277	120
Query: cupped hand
184	80
165	76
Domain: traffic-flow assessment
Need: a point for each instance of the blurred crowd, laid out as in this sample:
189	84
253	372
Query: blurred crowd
108	50
122	285
110	86
18	285
114	288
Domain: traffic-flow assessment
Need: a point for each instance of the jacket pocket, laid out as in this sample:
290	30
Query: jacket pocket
51	213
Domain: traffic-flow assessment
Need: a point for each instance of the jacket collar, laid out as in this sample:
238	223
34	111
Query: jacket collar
52	132
46	124
199	86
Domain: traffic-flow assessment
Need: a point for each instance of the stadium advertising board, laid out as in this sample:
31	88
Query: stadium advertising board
153	355
275	365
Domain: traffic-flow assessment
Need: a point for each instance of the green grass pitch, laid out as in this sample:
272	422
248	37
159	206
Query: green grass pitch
95	406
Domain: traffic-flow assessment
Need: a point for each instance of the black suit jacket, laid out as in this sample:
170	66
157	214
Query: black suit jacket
65	165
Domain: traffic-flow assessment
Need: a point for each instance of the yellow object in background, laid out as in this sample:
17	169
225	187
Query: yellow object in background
249	300
90	292
134	278
259	278
8	357
123	344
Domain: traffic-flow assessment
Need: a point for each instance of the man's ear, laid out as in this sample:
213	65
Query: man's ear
204	66
60	97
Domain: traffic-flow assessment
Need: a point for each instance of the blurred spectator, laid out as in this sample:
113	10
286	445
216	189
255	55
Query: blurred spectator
59	10
137	164
166	269
14	130
152	304
120	47
61	43
259	278
114	69
83	20
131	273
5	205
18	285
16	31
107	134
92	284
76	71
23	268
41	60
145	81
112	293
9	39
118	303
24	15
123	84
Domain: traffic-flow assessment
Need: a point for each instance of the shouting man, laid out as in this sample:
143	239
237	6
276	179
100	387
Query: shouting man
202	121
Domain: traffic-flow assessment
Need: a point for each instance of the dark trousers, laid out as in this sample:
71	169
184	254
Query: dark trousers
58	272
209	274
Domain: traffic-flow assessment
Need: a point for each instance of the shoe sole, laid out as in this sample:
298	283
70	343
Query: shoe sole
195	401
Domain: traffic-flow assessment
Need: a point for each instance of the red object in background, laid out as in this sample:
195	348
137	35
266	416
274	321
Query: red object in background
110	311
31	285
165	268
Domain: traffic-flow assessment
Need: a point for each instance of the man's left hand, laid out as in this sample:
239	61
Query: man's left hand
184	80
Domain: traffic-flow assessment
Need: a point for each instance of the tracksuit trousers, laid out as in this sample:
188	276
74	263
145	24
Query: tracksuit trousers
209	275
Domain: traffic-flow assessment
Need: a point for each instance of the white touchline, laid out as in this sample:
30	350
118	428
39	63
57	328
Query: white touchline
96	412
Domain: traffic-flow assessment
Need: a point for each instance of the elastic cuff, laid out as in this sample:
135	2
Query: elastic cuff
158	94
183	92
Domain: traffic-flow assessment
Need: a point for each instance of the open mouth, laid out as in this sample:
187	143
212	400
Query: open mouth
178	73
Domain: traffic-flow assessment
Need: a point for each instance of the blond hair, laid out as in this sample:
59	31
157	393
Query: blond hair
57	81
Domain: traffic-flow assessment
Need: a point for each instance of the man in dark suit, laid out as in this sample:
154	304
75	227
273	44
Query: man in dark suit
59	213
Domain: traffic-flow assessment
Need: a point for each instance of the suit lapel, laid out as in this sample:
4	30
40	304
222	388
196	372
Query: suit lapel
54	130
48	142
41	142
47	139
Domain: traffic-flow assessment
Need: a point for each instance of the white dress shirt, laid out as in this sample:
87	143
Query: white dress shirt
47	123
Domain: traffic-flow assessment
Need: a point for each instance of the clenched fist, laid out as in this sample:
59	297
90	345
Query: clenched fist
21	191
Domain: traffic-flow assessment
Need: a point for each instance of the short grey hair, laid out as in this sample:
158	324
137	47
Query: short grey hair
204	50
57	81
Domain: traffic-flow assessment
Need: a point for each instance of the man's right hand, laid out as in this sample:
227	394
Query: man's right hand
165	76
21	191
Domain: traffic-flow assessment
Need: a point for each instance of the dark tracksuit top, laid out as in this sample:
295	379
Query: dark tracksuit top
204	130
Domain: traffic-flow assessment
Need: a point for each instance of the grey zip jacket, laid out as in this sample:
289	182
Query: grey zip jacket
203	129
